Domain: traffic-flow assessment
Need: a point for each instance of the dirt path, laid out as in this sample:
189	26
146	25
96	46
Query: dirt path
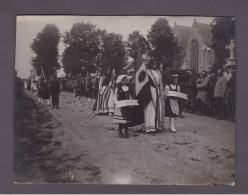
73	145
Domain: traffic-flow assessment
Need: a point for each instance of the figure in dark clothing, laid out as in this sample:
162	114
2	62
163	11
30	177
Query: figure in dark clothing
229	97
46	93
41	90
192	91
55	91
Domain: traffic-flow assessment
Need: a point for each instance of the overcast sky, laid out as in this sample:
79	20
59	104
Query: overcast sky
29	26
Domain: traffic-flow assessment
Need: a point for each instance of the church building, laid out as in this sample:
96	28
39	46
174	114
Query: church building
196	42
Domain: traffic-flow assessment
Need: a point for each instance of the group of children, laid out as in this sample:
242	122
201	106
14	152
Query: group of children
127	115
43	92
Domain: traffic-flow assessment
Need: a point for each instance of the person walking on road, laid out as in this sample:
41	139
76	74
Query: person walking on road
171	103
154	110
41	91
122	115
55	91
46	93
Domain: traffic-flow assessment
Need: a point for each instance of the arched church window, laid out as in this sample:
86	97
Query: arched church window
194	55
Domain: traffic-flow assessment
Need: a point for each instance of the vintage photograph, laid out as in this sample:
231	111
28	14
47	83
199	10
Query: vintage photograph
147	100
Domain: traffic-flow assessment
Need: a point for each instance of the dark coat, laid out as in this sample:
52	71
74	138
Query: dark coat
46	93
55	87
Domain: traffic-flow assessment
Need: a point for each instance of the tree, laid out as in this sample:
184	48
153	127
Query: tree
163	46
223	30
81	48
131	45
45	46
113	54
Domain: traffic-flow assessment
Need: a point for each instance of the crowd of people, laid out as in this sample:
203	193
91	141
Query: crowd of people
46	89
208	94
211	94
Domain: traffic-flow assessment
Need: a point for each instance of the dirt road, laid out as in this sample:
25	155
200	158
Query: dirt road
72	145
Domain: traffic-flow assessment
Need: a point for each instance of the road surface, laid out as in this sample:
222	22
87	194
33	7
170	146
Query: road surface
72	145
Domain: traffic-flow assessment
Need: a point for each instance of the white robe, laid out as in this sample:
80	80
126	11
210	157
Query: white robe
154	111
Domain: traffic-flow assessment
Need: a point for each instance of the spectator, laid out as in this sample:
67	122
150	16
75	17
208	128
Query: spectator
219	92
202	98
230	96
192	90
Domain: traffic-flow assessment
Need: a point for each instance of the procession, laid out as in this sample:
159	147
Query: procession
107	91
159	110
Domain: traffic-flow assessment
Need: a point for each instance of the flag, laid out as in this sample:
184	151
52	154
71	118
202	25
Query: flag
142	86
42	76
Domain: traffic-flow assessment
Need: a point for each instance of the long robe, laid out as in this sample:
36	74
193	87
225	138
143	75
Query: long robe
154	110
98	106
110	95
103	96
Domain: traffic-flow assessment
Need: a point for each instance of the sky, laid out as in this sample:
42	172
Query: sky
27	28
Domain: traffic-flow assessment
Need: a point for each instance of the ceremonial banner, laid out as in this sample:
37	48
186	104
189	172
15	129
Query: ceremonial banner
140	77
142	87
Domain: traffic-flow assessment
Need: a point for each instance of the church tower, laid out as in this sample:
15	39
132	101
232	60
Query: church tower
196	41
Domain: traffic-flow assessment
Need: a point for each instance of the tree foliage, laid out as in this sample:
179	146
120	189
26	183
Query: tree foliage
89	48
113	53
45	46
81	48
223	30
163	46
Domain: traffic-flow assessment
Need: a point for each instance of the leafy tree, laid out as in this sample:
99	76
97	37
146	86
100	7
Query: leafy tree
81	48
223	29
45	46
163	46
135	38
113	53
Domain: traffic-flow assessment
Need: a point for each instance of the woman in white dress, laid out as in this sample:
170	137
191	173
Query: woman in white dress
154	110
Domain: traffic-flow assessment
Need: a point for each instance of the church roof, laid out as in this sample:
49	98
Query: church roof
183	33
205	32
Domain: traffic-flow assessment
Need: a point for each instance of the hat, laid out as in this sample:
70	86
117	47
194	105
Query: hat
119	79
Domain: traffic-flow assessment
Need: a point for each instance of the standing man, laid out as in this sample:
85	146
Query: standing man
219	92
192	90
55	91
202	97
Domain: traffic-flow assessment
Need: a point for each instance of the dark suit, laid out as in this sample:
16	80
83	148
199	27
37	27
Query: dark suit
55	90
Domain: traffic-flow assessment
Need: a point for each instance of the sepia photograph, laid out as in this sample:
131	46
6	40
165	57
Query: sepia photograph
133	100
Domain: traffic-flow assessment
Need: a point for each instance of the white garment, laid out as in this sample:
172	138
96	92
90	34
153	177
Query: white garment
173	102
110	98
153	111
150	114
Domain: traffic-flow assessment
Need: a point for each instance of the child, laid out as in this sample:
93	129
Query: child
171	103
41	91
122	115
46	95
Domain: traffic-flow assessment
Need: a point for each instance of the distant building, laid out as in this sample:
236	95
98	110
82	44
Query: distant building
196	42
